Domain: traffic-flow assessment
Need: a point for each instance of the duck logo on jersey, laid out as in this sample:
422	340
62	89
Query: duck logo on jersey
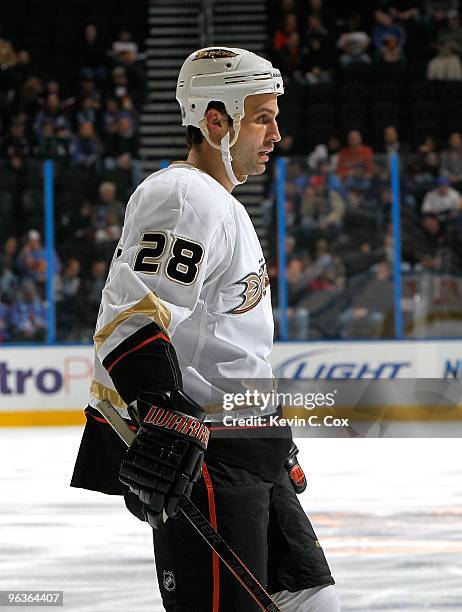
255	286
169	580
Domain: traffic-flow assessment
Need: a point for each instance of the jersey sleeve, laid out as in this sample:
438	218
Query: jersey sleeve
174	244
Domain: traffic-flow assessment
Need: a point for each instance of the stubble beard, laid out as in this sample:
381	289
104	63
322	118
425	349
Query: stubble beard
248	164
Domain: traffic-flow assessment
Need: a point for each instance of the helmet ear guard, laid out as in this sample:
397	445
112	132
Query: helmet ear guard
236	128
226	75
225	146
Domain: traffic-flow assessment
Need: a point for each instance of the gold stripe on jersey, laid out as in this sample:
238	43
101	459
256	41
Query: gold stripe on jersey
101	392
150	305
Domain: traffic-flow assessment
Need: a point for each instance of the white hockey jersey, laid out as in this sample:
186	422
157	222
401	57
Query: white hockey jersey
189	259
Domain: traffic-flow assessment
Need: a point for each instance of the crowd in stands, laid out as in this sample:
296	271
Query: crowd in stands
363	81
80	107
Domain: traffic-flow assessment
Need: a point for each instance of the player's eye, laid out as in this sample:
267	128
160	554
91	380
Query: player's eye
262	119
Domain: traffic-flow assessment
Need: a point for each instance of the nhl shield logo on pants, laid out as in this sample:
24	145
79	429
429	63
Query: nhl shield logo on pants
169	581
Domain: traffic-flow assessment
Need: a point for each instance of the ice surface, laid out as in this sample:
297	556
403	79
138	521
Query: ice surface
388	513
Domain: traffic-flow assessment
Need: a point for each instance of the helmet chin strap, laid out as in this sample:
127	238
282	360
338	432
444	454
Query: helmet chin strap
224	147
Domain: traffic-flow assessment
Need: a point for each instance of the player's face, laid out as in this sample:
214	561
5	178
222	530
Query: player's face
259	132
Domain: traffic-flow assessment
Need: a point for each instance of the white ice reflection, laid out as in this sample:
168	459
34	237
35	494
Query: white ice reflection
387	511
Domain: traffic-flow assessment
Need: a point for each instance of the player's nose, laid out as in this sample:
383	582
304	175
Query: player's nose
273	131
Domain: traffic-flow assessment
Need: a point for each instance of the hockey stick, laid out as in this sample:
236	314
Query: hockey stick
200	523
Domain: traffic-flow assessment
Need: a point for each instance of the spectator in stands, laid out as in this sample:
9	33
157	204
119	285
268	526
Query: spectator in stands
92	53
125	91
46	142
452	34
431	240
89	89
68	303
425	168
123	140
110	116
123	145
438	19
315	32
297	286
281	9
371	310
127	58
289	56
108	204
109	231
123	175
51	113
355	156
28	99
123	44
391	142
9	254
8	284
451	159
17	142
79	226
296	175
95	283
53	87
28	315
8	55
322	209
317	51
325	155
282	35
388	37
25	67
119	87
353	47
443	200
361	213
86	147
292	206
446	66
322	258
88	111
32	260
69	281
8	61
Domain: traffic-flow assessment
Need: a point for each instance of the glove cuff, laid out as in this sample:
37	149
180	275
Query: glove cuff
175	400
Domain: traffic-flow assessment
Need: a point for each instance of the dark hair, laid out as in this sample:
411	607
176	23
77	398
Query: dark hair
194	136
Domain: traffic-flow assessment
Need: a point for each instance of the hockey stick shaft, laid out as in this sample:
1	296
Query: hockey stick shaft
200	523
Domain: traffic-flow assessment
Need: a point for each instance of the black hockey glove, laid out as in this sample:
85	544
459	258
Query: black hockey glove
166	456
296	474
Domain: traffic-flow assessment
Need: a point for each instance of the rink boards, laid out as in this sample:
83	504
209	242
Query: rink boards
49	385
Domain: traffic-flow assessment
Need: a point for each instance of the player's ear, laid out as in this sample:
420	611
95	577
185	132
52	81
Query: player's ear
217	123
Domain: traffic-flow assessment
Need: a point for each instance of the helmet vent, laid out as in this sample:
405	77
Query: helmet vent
248	78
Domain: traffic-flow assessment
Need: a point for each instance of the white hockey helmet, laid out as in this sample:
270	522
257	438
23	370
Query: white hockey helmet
226	75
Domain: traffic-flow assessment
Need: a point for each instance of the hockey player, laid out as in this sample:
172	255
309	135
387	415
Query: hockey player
187	305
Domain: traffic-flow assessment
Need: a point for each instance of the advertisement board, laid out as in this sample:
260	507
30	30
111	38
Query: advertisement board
375	359
49	385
